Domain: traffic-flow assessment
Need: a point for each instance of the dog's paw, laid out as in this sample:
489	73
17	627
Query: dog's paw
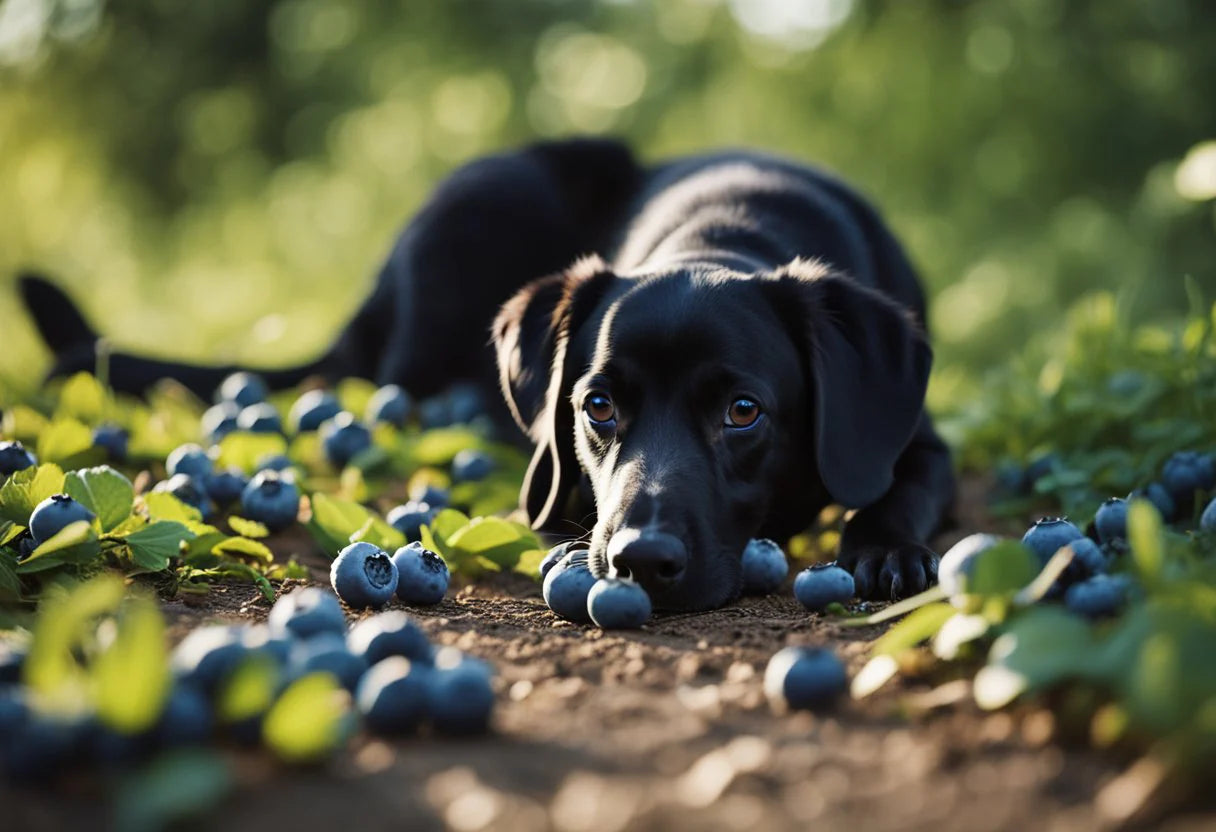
891	572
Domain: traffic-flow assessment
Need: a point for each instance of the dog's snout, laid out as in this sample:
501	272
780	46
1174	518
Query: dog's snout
656	560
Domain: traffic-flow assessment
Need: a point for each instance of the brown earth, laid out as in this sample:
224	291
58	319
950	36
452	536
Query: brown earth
667	728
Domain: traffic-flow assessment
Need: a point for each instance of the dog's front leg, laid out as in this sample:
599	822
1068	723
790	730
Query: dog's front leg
885	545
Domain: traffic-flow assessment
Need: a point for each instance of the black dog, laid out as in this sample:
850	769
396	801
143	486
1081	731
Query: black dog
750	349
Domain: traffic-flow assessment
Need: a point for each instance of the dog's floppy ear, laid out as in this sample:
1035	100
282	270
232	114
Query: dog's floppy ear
58	320
869	365
532	335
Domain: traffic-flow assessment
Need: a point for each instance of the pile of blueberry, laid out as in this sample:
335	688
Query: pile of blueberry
364	575
399	683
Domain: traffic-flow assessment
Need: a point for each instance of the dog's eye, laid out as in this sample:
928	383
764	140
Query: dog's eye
743	413
599	408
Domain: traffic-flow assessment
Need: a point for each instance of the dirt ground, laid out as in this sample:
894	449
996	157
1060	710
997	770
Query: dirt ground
667	728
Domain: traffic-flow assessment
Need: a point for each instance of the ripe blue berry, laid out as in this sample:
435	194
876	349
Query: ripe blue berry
618	604
555	554
390	404
186	718
225	486
1207	521
1111	520
958	565
460	698
431	495
343	439
328	653
14	457
189	459
271	499
410	518
391	633
1047	535
424	575
113	440
189	490
219	420
823	584
471	465
1186	472
306	613
243	388
312	409
259	418
1098	596
392	695
808	678
273	462
764	567
54	514
207	655
363	575
567	586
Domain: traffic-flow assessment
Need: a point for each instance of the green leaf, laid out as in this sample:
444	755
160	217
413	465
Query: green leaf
243	546
1041	647
249	690
333	521
63	441
64	620
438	446
164	506
103	491
9	531
131	676
1144	532
529	562
379	533
156	544
877	672
929	596
310	720
82	397
1005	568
248	528
445	525
243	450
24	490
74	543
176	786
918	626
10	583
956	632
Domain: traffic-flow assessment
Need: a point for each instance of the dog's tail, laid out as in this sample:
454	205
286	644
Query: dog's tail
74	344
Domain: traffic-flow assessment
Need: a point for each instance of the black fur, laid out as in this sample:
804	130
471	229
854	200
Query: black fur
727	275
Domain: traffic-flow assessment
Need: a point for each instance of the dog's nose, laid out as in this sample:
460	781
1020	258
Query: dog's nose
656	560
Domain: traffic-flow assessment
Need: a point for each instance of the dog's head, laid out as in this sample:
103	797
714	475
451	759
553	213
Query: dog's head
705	407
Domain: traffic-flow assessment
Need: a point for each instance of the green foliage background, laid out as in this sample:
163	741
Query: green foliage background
217	180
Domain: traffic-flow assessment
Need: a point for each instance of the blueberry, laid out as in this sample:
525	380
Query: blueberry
1087	558
464	403
326	653
618	604
363	575
764	567
392	695
555	554
388	634
1111	520
471	465
1098	596
207	655
1041	466
259	418
220	420
424	575
343	439
808	678
567	586
434	413
460	698
389	404
54	514
109	748
188	489
186	718
39	748
823	584
1047	535
1207	521
306	613
260	639
431	495
410	518
225	486
13	711
14	457
958	565
1011	478
1185	473
243	388
189	459
1157	494
113	440
312	409
271	499
273	462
